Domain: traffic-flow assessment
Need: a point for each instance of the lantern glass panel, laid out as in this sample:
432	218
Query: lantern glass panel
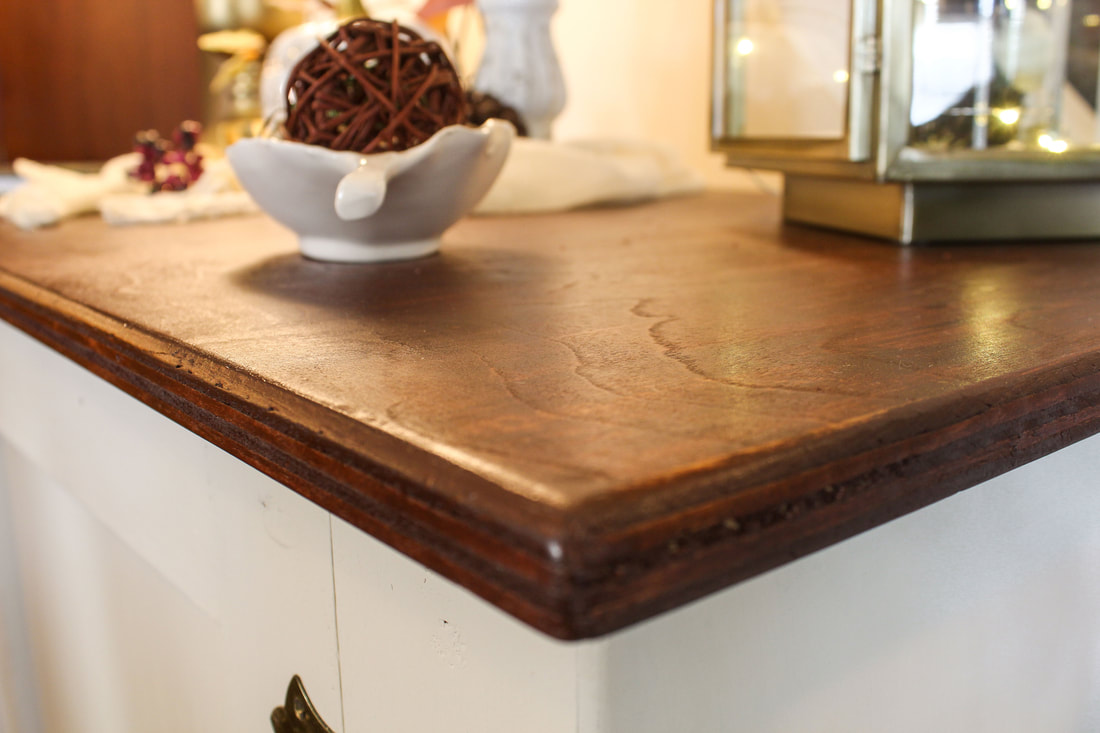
1005	75
787	69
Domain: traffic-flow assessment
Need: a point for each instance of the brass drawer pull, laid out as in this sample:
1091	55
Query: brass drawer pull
297	715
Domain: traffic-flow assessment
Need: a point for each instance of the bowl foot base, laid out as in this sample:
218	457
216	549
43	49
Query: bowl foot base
342	250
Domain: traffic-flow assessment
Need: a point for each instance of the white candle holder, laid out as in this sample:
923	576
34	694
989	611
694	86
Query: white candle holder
519	65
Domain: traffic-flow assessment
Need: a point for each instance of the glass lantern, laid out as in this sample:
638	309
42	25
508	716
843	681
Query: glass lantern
917	120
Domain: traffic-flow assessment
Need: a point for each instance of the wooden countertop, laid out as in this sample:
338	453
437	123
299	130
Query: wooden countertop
593	417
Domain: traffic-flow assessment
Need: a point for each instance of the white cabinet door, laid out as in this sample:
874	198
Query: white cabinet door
163	584
422	655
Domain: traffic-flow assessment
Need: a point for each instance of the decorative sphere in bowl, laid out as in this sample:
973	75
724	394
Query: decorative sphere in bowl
350	207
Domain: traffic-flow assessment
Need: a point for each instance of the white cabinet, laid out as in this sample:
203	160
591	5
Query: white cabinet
164	585
152	582
419	653
979	614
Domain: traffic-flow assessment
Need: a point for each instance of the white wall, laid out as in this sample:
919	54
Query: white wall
634	69
641	69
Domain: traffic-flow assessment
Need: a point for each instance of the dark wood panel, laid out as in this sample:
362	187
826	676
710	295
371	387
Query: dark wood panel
79	77
593	417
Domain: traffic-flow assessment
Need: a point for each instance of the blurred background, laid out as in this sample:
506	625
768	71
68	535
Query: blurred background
79	77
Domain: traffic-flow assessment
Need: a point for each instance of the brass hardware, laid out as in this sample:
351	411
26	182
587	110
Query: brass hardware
929	211
297	715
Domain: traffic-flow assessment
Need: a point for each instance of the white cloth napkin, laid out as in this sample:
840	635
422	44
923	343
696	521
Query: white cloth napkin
50	194
215	194
545	176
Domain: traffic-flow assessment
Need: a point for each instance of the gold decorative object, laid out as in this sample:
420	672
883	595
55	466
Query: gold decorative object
235	86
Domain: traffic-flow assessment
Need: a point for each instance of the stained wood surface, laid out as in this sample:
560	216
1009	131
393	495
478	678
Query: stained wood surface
593	417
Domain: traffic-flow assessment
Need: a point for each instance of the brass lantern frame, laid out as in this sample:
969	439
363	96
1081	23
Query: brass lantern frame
872	181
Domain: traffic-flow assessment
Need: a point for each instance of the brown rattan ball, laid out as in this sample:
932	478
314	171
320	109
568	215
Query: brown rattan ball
372	87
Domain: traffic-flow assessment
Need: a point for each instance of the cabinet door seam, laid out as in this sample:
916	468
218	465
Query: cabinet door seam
336	621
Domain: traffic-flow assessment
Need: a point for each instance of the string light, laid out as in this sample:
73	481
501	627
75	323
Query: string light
1053	144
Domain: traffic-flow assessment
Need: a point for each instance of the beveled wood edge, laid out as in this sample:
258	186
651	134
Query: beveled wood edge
581	572
504	556
648	569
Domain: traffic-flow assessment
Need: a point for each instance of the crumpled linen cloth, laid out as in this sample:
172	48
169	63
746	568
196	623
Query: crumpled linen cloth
51	193
542	176
539	176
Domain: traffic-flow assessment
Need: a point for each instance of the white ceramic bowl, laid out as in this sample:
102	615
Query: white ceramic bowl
349	207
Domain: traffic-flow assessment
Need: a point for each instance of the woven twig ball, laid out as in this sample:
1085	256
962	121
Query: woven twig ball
372	87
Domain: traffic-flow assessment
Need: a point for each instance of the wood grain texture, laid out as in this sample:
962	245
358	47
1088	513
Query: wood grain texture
79	77
594	417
